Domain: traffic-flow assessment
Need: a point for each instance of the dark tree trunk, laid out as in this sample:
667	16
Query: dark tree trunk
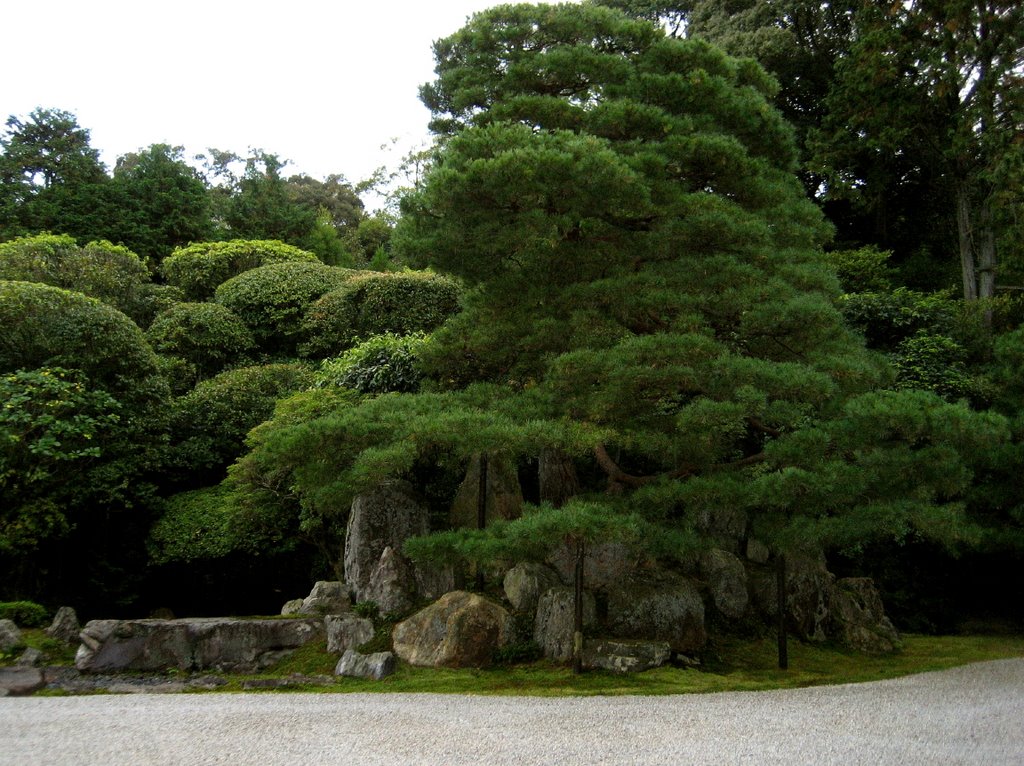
577	606
558	480
481	514
780	586
966	238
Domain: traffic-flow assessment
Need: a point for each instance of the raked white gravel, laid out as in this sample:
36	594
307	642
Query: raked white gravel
969	715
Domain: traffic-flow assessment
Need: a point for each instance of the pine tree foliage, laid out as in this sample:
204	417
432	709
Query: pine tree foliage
648	296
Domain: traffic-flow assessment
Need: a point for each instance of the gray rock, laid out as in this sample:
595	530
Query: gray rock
757	551
624	656
10	636
372	666
726	526
504	495
18	681
292	607
327	597
392	584
809	586
346	631
525	582
65	626
658	606
190	644
727	582
432	582
459	630
553	627
384	518
30	658
604	564
858	620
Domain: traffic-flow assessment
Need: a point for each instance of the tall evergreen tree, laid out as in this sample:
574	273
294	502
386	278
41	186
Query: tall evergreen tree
648	302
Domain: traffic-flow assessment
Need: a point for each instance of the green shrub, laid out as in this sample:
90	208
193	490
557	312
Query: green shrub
199	269
209	424
888	318
272	300
206	335
382	364
47	326
865	270
194	525
933	363
24	614
110	273
374	304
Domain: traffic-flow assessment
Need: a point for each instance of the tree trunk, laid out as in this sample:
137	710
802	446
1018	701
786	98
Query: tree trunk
481	514
558	480
966	236
780	587
986	258
577	608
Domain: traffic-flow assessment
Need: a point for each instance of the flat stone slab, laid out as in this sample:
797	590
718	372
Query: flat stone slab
191	644
623	656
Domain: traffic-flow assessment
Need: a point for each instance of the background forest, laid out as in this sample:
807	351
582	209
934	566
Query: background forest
670	261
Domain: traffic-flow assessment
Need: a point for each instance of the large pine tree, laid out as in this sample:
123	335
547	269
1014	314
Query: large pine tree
648	303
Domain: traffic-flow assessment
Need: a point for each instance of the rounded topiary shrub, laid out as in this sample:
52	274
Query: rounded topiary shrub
382	364
199	269
377	303
47	326
24	614
111	273
272	300
209	424
206	335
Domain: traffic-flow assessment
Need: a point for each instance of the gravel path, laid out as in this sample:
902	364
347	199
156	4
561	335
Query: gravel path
969	715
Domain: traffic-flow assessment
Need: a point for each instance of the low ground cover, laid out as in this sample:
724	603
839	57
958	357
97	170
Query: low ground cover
730	665
737	665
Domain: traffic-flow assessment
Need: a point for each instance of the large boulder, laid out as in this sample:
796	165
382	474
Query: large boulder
526	582
658	606
554	624
10	636
726	526
726	580
858	620
327	597
384	518
65	626
604	564
372	666
346	631
625	656
392	584
459	630
19	681
504	495
809	586
191	644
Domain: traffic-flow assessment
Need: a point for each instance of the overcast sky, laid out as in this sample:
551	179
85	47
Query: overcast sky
323	84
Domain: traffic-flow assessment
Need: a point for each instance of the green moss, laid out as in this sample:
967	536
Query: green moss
739	665
54	652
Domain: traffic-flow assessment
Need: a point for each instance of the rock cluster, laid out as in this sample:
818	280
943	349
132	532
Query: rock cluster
376	570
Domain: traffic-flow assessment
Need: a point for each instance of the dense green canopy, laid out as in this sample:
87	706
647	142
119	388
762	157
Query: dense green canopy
648	297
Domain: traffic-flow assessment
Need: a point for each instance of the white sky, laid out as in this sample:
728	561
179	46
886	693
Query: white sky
323	84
